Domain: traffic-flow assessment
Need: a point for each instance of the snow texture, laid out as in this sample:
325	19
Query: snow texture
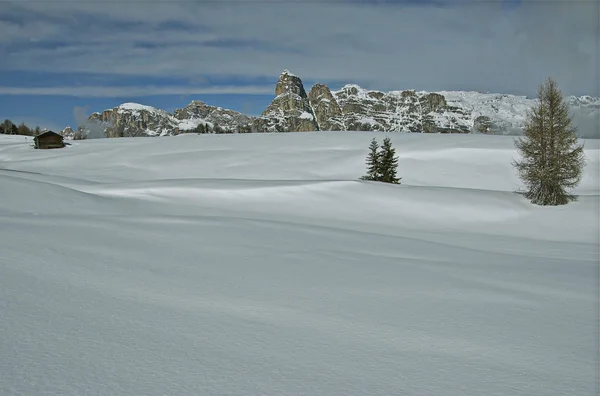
306	116
258	264
286	71
137	106
136	109
191	124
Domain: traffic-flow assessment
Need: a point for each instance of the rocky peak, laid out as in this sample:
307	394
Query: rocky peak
133	119
289	83
320	92
68	132
290	111
196	108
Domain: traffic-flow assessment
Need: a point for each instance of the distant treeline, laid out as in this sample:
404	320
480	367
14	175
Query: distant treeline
202	128
10	128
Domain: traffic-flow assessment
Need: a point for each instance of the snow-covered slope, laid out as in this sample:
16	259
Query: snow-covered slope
259	264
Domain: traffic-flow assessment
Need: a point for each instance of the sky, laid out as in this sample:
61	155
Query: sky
61	59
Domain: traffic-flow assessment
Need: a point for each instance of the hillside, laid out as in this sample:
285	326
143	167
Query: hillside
259	264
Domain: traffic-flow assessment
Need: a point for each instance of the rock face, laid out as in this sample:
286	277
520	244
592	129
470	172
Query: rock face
290	111
199	112
326	109
484	124
398	111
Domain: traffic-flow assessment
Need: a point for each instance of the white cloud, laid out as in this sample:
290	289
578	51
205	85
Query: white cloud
464	45
137	91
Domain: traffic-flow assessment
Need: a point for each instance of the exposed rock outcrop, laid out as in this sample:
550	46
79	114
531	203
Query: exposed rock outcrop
326	109
432	102
483	124
290	111
396	111
132	119
199	112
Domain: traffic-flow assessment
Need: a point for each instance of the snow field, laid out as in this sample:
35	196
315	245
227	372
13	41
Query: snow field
259	264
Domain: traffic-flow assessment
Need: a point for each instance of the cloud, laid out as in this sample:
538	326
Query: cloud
587	122
438	45
94	130
135	91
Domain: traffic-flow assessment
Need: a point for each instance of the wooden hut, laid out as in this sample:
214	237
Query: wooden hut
48	140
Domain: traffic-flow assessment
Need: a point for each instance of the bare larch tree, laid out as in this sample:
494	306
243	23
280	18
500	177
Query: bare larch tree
552	159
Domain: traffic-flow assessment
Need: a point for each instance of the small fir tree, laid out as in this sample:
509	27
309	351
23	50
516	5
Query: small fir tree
389	163
552	160
373	162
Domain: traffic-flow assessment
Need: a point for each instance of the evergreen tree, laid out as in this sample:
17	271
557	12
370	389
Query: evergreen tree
201	128
388	163
552	160
373	162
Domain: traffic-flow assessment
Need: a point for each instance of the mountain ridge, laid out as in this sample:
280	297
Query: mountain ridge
349	108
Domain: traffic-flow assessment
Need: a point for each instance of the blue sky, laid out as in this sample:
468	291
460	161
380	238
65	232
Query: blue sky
61	59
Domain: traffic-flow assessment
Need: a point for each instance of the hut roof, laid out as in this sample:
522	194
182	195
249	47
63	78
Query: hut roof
48	133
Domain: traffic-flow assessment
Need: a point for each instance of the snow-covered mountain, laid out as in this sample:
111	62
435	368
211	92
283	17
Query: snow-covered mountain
134	119
351	108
